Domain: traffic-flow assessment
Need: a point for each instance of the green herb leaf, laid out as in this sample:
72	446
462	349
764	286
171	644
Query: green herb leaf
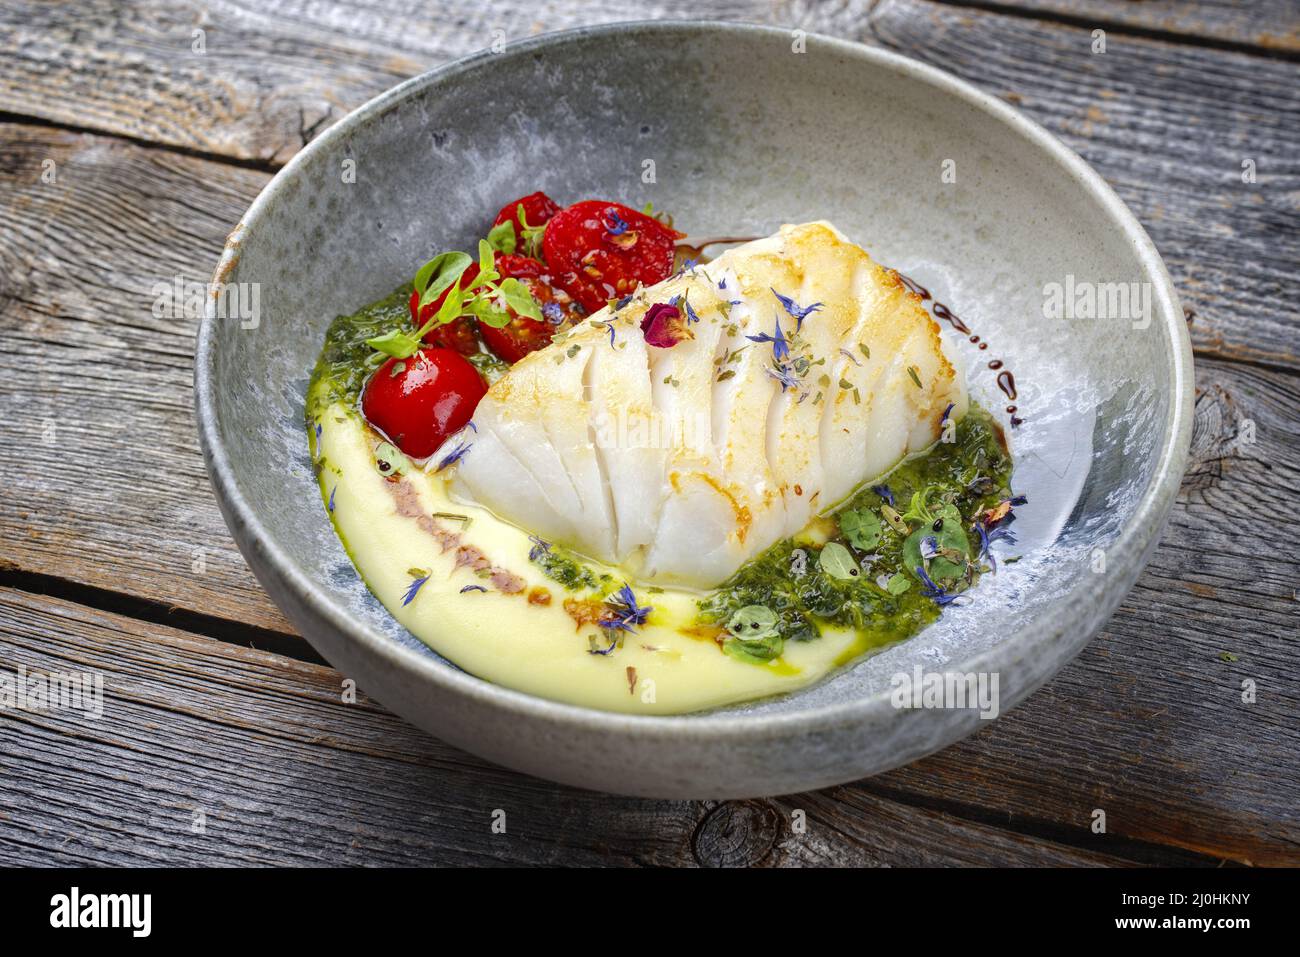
451	307
835	560
759	651
916	378
486	259
520	299
919	511
396	343
502	237
438	274
862	528
894	519
954	546
489	313
753	621
897	584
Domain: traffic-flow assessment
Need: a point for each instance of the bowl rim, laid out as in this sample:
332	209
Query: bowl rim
1125	555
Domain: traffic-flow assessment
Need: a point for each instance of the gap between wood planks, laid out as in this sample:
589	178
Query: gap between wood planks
238	634
1124	28
160	613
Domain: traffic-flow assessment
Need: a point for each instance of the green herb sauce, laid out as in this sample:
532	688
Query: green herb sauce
562	566
804	587
346	362
885	602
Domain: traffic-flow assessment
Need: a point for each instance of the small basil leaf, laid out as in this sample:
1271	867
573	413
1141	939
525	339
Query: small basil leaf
489	313
452	306
756	652
753	621
897	584
836	561
396	343
861	528
438	274
520	299
502	237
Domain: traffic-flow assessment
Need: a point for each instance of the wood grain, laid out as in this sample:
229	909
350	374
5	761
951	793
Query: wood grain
104	486
263	79
100	458
86	357
1266	25
284	772
1169	127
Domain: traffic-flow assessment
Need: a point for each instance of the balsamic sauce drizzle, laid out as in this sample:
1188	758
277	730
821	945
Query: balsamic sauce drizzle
1006	381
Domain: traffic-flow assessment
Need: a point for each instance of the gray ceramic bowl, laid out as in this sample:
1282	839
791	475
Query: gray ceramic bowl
745	134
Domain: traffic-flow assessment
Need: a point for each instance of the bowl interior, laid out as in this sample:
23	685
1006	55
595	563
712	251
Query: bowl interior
734	132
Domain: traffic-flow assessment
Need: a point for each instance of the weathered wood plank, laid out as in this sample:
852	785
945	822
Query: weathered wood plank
258	82
104	481
1269	25
262	79
1169	127
94	519
1155	732
284	772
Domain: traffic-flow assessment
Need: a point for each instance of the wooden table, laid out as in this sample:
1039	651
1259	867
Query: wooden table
134	133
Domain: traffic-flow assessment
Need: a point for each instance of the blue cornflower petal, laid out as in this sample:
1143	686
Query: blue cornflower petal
332	491
626	612
472	588
780	347
933	591
539	548
454	456
413	590
793	308
884	492
615	224
784	375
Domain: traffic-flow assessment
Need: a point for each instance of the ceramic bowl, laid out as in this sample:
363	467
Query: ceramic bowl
735	130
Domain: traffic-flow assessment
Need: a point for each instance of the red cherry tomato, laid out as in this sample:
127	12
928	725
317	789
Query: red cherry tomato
418	401
601	251
538	208
457	334
524	335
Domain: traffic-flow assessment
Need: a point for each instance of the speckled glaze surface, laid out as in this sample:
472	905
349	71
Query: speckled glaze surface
745	134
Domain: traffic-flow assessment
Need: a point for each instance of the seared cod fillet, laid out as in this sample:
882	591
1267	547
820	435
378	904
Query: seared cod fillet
679	464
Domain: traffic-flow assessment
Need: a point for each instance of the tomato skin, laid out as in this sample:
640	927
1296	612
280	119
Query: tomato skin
457	334
432	395
524	335
593	264
538	209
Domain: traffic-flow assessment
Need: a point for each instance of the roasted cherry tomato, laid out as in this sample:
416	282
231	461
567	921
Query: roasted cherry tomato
457	334
524	335
538	209
600	251
418	401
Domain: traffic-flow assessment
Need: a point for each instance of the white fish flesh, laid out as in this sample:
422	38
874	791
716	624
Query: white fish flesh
681	463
